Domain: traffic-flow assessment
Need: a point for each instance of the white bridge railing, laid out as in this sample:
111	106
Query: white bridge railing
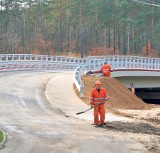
38	62
10	62
45	61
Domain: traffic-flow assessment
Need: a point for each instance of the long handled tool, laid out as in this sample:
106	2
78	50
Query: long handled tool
89	108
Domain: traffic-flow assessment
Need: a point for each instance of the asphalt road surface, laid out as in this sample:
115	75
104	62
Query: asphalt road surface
33	125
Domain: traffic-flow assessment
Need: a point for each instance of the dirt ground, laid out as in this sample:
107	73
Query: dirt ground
124	103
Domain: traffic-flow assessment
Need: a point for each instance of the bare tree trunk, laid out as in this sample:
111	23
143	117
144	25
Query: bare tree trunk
147	53
96	28
109	36
124	44
68	29
105	37
81	44
128	40
114	38
119	38
29	28
60	25
152	24
7	17
43	30
24	34
1	17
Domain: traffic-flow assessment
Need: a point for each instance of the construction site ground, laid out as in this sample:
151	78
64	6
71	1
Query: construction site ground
41	116
123	103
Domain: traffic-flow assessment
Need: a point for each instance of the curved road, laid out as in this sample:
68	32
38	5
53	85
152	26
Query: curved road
34	125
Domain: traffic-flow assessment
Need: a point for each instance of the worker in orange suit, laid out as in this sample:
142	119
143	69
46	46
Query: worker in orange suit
105	69
132	88
98	97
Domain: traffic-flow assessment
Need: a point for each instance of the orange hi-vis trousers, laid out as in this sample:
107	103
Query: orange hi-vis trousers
107	73
99	111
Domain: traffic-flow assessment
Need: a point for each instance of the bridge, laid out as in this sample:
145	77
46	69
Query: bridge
143	72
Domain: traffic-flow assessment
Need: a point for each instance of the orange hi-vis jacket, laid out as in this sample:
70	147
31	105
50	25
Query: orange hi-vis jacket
98	97
106	69
133	90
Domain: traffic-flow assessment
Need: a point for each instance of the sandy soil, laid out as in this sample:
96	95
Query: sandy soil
146	125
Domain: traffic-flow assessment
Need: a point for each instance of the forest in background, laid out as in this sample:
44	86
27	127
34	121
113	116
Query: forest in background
79	27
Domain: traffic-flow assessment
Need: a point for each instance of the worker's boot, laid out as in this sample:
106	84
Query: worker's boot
97	125
103	125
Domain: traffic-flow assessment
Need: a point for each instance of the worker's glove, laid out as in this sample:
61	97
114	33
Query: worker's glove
89	72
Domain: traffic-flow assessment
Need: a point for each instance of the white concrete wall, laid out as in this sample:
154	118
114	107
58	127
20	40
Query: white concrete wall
140	79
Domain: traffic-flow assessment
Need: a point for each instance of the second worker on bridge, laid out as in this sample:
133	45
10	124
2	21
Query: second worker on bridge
105	69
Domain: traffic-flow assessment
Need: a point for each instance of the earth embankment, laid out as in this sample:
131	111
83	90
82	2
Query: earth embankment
120	96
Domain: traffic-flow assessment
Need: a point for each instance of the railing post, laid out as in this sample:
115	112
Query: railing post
6	57
24	57
81	91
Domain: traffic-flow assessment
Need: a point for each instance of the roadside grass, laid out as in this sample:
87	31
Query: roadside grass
1	136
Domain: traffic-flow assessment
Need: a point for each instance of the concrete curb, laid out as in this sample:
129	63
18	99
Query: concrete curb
4	139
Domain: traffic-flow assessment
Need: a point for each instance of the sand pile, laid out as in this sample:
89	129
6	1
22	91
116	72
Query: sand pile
120	96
